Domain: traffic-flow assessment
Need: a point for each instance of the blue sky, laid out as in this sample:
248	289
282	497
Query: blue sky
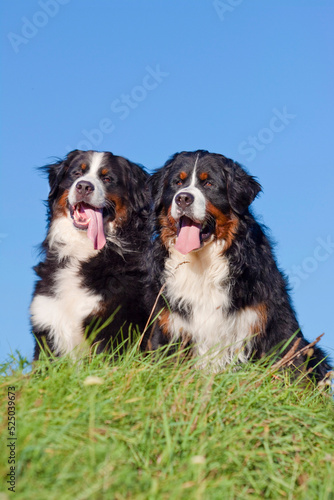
252	80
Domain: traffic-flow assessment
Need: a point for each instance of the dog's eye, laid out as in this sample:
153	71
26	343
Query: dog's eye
77	174
107	180
208	184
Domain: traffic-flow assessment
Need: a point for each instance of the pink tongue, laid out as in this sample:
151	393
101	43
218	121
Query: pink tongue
95	227
188	238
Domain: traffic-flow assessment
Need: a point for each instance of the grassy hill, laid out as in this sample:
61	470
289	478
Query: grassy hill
136	428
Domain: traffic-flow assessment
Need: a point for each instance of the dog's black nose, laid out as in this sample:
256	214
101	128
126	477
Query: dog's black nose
84	187
183	200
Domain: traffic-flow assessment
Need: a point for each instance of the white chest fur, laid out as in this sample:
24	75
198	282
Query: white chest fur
62	314
201	279
66	240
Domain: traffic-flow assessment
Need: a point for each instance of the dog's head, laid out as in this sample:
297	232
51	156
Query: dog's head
96	191
199	197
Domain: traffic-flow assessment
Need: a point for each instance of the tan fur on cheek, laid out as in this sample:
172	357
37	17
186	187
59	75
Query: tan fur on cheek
61	208
168	227
226	225
121	212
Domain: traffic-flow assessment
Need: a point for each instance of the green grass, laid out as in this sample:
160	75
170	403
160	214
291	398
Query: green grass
159	429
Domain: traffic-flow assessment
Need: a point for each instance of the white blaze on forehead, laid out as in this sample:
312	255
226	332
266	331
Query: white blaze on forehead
95	163
98	196
193	177
198	208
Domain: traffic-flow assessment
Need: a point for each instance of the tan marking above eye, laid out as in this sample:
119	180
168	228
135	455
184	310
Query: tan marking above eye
83	166
104	171
183	175
203	176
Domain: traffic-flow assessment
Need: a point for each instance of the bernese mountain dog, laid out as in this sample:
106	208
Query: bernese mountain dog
213	267
90	281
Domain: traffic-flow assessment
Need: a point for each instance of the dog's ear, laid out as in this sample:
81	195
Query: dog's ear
242	188
156	185
135	179
158	182
56	173
138	189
